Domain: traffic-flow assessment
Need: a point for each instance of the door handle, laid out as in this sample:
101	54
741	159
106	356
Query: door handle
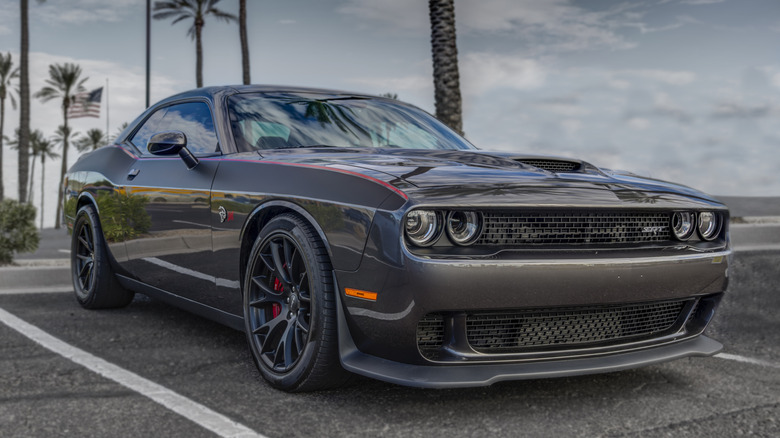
133	173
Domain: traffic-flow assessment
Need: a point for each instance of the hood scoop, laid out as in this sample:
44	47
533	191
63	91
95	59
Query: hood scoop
552	165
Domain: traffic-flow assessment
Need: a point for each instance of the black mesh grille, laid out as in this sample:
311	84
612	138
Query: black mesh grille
503	332
574	228
430	334
552	165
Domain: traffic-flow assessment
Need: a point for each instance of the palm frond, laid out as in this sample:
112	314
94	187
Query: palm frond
47	93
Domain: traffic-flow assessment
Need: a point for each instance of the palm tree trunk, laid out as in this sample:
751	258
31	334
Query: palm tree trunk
198	56
32	176
244	41
64	167
446	79
43	181
2	127
24	104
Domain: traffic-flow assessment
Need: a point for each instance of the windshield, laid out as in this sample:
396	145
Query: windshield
278	121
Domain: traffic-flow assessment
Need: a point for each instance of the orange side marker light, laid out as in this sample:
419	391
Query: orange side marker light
360	294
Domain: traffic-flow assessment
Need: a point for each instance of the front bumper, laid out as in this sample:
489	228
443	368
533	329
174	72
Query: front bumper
380	338
387	327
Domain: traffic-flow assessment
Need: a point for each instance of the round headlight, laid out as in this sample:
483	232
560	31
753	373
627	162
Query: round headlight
422	227
709	225
463	227
682	224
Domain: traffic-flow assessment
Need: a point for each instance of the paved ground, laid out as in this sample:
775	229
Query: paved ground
44	394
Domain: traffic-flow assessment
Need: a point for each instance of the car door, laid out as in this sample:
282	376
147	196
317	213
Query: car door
172	249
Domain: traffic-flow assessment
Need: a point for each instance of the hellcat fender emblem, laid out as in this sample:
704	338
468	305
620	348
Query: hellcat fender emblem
222	214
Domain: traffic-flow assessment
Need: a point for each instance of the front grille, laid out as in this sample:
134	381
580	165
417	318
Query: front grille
506	332
574	228
552	165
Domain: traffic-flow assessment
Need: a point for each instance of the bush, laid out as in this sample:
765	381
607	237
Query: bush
17	229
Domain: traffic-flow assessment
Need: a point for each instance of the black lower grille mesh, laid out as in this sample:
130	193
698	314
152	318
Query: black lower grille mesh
517	331
574	228
430	334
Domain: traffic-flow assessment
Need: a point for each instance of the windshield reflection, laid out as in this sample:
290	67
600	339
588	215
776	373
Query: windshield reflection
262	121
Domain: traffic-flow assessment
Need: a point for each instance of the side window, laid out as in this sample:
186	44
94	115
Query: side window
149	127
192	118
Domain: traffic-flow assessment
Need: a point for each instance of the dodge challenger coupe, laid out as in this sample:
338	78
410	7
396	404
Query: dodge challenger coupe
346	233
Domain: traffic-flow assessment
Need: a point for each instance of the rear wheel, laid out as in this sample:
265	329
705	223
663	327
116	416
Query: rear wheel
290	309
94	282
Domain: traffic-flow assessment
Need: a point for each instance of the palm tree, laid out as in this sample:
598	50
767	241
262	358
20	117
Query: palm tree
93	139
7	74
197	10
446	79
244	41
64	82
24	99
44	149
36	140
24	102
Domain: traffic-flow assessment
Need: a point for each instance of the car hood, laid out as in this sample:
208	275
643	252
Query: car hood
439	173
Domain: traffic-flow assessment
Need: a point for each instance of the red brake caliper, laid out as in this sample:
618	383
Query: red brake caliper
276	308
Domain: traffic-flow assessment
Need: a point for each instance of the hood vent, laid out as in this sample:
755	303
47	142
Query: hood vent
552	165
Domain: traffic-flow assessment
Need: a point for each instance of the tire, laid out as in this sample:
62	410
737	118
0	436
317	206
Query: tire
94	282
290	308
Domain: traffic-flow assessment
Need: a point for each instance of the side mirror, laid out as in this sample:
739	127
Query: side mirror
170	143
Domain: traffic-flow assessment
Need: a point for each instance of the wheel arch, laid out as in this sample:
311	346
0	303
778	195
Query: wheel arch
87	198
261	215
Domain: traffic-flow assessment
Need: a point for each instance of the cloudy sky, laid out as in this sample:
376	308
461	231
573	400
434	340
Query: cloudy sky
685	90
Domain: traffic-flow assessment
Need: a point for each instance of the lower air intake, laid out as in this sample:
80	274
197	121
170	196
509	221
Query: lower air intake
507	332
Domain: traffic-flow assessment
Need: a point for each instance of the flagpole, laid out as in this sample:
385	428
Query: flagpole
107	113
148	47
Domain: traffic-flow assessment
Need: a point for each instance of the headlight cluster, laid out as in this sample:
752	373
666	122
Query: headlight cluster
707	223
424	227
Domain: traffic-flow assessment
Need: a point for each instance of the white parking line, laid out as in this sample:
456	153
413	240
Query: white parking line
749	360
195	412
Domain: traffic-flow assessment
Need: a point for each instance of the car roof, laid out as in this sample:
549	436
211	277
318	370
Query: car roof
212	92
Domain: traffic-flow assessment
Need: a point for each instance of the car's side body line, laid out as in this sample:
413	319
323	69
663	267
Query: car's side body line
222	317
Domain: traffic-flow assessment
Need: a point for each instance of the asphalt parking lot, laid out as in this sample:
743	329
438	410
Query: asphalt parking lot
173	353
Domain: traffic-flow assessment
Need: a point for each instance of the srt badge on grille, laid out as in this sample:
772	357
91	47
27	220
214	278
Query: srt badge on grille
652	230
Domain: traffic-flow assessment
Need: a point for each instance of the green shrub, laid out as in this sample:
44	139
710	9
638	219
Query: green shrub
17	229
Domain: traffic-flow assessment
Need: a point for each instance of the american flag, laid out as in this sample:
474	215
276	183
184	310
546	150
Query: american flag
86	104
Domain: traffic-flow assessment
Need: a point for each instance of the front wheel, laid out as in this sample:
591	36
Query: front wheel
290	309
94	282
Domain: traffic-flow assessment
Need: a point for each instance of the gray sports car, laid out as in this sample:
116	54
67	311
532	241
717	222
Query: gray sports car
347	233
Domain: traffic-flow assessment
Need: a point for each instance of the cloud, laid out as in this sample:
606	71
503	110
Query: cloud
86	11
734	110
669	77
404	14
551	25
638	123
126	95
701	2
397	84
484	72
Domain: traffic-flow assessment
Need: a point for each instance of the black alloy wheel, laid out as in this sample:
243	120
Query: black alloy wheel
84	262
289	308
94	282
